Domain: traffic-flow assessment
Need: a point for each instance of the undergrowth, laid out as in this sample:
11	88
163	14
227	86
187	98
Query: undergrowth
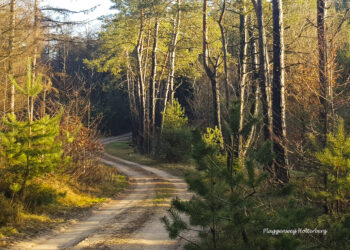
56	198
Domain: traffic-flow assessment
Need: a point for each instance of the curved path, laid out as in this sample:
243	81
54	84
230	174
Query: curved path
131	221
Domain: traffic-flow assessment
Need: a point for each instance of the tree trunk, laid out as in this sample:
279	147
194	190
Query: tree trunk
243	77
258	6
152	90
255	93
36	51
322	50
36	34
323	96
132	101
278	95
169	93
224	50
173	51
211	73
11	42
141	86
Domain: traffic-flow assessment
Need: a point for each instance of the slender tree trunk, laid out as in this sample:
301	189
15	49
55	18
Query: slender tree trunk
152	90
11	42
323	96
254	69
322	50
169	93
211	73
159	94
173	51
258	6
224	50
36	50
243	83
254	91
141	87
36	34
146	97
132	101
278	97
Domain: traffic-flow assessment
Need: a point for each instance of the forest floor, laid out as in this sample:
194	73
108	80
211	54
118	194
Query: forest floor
130	221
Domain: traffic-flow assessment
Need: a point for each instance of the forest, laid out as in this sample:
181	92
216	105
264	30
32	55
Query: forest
250	98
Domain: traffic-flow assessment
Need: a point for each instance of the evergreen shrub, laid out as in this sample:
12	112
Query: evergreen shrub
176	136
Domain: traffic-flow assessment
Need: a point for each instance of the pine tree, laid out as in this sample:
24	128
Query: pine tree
175	142
335	162
29	146
231	206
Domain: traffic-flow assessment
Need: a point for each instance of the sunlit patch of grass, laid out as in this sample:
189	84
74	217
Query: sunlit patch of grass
7	231
162	194
73	195
33	223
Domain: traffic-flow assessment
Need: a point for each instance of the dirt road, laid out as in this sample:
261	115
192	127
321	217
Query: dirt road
131	221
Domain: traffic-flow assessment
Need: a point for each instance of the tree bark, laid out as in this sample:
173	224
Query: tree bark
278	95
211	73
258	7
141	86
322	51
224	50
152	90
36	51
323	79
11	42
173	51
243	77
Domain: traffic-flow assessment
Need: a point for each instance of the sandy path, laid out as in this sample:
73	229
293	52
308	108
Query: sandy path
131	221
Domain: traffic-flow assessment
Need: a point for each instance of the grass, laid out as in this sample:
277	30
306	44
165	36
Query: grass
162	194
72	199
125	151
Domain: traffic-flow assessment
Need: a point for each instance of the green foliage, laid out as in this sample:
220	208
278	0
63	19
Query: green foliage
175	144
334	167
335	162
213	137
174	116
32	88
29	147
230	208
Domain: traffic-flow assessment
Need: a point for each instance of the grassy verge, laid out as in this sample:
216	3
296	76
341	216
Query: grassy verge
125	151
59	198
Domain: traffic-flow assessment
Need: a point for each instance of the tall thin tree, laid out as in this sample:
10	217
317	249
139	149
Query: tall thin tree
211	71
323	79
152	89
258	7
278	95
10	49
